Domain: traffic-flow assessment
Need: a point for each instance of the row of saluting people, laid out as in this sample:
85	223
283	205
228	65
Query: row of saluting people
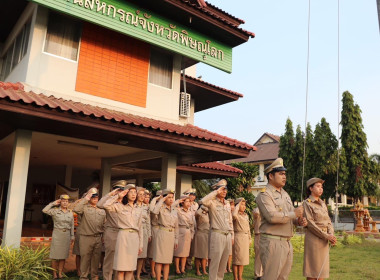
133	229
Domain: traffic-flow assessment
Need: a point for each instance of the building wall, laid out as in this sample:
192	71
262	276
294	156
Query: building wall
49	74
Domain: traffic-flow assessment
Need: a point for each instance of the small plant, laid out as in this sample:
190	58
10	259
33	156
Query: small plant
24	263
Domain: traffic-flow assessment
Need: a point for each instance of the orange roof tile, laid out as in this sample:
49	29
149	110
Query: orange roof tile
14	92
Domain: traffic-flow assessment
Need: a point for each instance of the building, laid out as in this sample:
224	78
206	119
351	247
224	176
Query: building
98	90
267	148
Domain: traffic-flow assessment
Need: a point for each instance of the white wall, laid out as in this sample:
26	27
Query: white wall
52	75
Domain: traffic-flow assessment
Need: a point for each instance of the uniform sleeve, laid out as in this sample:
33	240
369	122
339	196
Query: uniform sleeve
79	207
231	226
141	232
176	203
236	212
176	232
72	227
207	200
152	204
330	228
109	203
311	225
148	225
49	210
102	201
269	212
157	207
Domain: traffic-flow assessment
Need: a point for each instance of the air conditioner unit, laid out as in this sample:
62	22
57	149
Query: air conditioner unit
184	105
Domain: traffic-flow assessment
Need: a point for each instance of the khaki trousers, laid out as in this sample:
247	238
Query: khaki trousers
110	237
276	257
258	265
218	254
90	250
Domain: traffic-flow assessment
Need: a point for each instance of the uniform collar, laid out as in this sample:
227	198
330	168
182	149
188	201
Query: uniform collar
273	189
313	199
183	209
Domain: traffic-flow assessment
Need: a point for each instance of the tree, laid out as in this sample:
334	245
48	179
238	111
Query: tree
203	187
287	153
325	158
239	186
354	142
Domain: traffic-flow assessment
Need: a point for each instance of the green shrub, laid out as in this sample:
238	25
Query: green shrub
298	243
24	263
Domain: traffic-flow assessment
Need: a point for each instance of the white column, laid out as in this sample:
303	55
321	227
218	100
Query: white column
14	210
344	199
168	172
105	177
68	175
184	182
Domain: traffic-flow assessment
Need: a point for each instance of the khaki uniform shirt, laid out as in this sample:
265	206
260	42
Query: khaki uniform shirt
194	207
93	218
129	217
186	219
256	220
145	218
277	212
219	213
153	217
62	220
202	219
111	216
317	215
241	222
167	217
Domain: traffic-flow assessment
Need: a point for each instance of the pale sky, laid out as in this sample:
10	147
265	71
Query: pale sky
270	70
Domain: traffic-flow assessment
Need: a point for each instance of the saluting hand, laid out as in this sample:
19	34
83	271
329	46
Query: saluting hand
57	202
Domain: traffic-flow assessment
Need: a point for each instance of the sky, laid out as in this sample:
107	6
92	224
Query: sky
270	69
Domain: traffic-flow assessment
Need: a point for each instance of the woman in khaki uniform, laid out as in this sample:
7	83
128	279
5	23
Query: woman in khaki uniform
147	236
201	239
63	233
154	229
318	234
240	252
129	243
167	233
185	234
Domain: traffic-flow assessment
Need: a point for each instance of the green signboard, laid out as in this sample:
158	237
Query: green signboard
128	19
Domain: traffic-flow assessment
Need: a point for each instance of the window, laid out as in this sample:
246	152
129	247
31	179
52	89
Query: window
161	68
62	36
16	51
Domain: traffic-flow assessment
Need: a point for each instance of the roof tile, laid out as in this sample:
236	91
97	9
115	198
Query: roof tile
15	92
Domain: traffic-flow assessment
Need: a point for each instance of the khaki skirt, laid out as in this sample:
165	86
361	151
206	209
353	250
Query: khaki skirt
240	252
60	244
126	251
184	243
201	244
144	253
152	242
164	246
316	257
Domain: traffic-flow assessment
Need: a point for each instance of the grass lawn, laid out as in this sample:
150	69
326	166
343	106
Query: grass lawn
353	262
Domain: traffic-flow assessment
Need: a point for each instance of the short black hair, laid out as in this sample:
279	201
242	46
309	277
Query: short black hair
308	191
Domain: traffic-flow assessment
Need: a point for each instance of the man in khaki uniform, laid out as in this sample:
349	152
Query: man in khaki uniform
221	229
277	218
91	229
256	228
111	229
